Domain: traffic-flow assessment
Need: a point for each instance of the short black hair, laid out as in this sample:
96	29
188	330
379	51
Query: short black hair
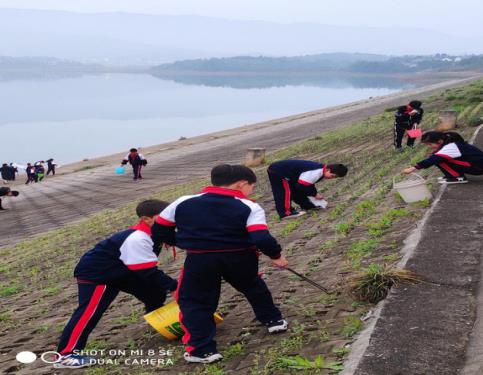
225	174
15	193
151	207
448	137
416	104
133	150
339	169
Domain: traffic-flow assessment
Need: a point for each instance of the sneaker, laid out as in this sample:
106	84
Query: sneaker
277	326
453	180
74	361
205	358
294	214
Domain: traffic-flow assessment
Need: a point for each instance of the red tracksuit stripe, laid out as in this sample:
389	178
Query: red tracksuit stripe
255	227
287	197
449	159
84	319
450	170
187	335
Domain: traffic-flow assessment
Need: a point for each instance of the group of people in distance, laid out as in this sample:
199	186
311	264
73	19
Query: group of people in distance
35	172
223	233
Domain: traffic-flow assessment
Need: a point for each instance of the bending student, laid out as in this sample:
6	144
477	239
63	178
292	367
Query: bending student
452	155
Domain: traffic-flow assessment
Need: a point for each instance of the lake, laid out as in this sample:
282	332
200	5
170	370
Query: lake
84	116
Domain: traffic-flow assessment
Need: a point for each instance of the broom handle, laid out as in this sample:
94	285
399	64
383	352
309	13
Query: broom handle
308	280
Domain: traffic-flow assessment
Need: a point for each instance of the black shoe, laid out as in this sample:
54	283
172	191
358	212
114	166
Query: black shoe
453	180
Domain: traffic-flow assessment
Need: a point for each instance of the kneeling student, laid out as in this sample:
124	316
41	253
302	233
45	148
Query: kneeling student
221	231
452	155
127	262
294	180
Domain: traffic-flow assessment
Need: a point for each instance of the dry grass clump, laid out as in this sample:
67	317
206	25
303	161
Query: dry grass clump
373	283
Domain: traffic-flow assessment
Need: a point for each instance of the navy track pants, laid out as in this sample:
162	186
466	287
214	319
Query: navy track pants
199	291
94	299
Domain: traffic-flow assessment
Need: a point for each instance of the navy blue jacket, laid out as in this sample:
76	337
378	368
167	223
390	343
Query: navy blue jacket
216	220
134	159
301	174
125	254
462	154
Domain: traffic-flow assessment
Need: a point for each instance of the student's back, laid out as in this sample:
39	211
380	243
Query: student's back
216	219
294	168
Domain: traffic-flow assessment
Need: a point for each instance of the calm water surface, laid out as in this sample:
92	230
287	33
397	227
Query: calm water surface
74	118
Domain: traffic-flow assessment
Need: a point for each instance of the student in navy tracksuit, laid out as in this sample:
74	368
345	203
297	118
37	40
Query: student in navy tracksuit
294	180
137	161
221	231
127	262
407	117
31	176
452	155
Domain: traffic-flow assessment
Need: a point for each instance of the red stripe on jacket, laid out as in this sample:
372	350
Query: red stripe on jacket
166	223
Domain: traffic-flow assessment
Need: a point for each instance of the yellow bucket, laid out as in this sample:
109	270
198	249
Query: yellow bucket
165	320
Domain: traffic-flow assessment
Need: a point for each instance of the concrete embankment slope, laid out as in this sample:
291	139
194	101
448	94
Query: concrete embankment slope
428	328
71	197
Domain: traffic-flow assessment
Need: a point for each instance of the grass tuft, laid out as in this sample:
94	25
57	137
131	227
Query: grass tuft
373	283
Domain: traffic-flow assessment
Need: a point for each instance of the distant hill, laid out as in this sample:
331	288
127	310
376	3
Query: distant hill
337	62
140	39
44	63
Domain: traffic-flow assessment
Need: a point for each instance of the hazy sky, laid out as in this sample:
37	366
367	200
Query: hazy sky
462	17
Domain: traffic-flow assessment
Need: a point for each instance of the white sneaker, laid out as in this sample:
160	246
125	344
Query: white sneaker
455	180
277	326
207	358
74	361
294	215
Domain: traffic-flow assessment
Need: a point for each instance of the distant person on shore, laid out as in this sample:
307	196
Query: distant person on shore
51	167
14	171
452	155
137	161
294	180
407	117
6	192
6	172
31	176
127	262
39	171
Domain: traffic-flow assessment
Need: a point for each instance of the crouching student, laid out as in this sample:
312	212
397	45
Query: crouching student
294	180
6	192
124	262
221	231
452	155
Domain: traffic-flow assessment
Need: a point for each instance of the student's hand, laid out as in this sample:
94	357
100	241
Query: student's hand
281	262
319	196
408	170
173	294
